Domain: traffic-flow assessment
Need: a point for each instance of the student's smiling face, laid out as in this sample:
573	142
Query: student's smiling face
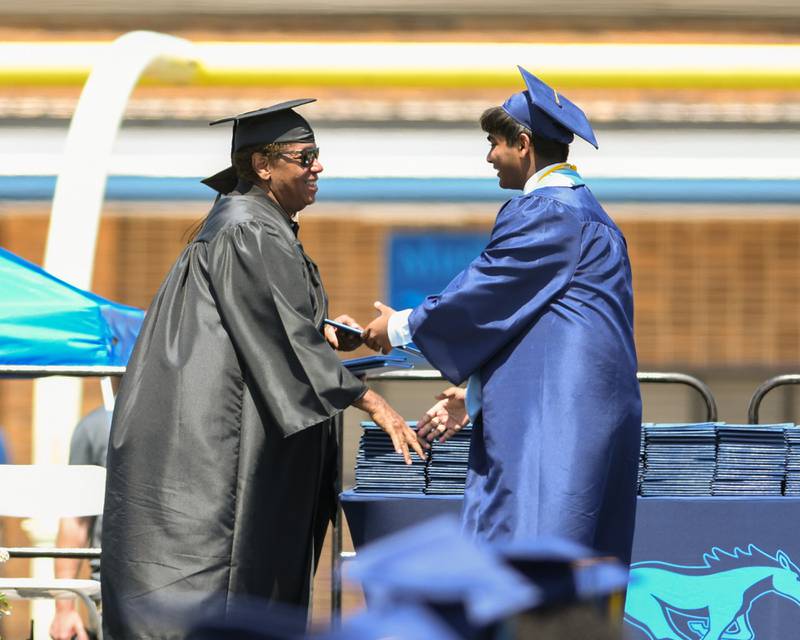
508	161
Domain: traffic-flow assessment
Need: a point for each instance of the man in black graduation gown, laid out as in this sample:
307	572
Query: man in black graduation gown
222	456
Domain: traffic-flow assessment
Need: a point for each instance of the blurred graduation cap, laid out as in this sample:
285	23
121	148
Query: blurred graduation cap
432	565
278	123
578	592
562	571
398	621
547	113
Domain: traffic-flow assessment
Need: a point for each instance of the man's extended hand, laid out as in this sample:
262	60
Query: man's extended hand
343	340
376	335
392	423
67	624
446	418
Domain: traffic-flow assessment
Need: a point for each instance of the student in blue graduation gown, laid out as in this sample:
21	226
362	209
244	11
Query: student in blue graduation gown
222	455
540	324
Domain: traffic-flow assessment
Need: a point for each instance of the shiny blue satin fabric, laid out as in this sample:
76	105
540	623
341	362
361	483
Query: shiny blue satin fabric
545	316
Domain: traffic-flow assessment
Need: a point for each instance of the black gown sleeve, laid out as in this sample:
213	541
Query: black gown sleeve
259	282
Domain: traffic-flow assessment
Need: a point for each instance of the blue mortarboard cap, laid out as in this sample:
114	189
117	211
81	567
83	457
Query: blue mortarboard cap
398	621
278	123
432	564
563	571
547	113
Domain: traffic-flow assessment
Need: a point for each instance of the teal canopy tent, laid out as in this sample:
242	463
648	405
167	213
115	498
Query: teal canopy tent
46	322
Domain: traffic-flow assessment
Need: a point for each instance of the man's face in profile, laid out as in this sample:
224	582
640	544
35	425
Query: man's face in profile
294	174
507	160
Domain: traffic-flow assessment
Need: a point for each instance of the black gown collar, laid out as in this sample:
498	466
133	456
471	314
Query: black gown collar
319	300
243	187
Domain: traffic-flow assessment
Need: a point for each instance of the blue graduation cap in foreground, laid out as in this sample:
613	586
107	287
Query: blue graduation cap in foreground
562	571
398	622
431	564
548	113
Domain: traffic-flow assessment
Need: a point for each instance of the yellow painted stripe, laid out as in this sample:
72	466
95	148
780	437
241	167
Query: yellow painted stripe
433	65
622	79
355	78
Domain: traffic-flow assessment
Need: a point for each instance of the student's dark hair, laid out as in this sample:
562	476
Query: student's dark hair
496	121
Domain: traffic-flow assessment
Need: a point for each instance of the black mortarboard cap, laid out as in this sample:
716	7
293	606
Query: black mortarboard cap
278	123
244	618
547	113
206	616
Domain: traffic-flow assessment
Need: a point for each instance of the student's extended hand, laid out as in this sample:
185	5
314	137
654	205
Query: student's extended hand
343	340
376	335
446	418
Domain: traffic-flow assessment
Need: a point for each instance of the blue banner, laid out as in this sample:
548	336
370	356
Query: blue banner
722	568
422	264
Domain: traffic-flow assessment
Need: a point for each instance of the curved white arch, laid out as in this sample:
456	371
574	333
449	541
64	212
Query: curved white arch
80	186
74	220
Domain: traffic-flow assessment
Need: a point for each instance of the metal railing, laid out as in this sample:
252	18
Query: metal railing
74	553
764	389
40	371
682	378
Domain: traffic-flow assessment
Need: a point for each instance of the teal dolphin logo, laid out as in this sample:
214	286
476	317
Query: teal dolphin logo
710	601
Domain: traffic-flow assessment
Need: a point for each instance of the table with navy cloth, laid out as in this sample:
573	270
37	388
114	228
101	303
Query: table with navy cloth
728	565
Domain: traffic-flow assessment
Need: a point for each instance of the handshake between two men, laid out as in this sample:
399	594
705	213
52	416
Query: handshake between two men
444	419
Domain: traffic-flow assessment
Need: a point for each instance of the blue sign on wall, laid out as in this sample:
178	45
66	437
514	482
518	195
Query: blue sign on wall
421	264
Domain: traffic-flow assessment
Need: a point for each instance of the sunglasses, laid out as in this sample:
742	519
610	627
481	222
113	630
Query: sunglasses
306	157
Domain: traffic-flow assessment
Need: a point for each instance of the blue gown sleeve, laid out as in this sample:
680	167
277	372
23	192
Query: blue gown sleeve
531	257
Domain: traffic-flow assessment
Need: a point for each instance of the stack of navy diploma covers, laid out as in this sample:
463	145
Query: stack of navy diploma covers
640	473
678	459
792	486
447	464
379	469
468	588
751	460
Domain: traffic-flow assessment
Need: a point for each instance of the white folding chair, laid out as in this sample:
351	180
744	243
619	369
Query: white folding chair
53	491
